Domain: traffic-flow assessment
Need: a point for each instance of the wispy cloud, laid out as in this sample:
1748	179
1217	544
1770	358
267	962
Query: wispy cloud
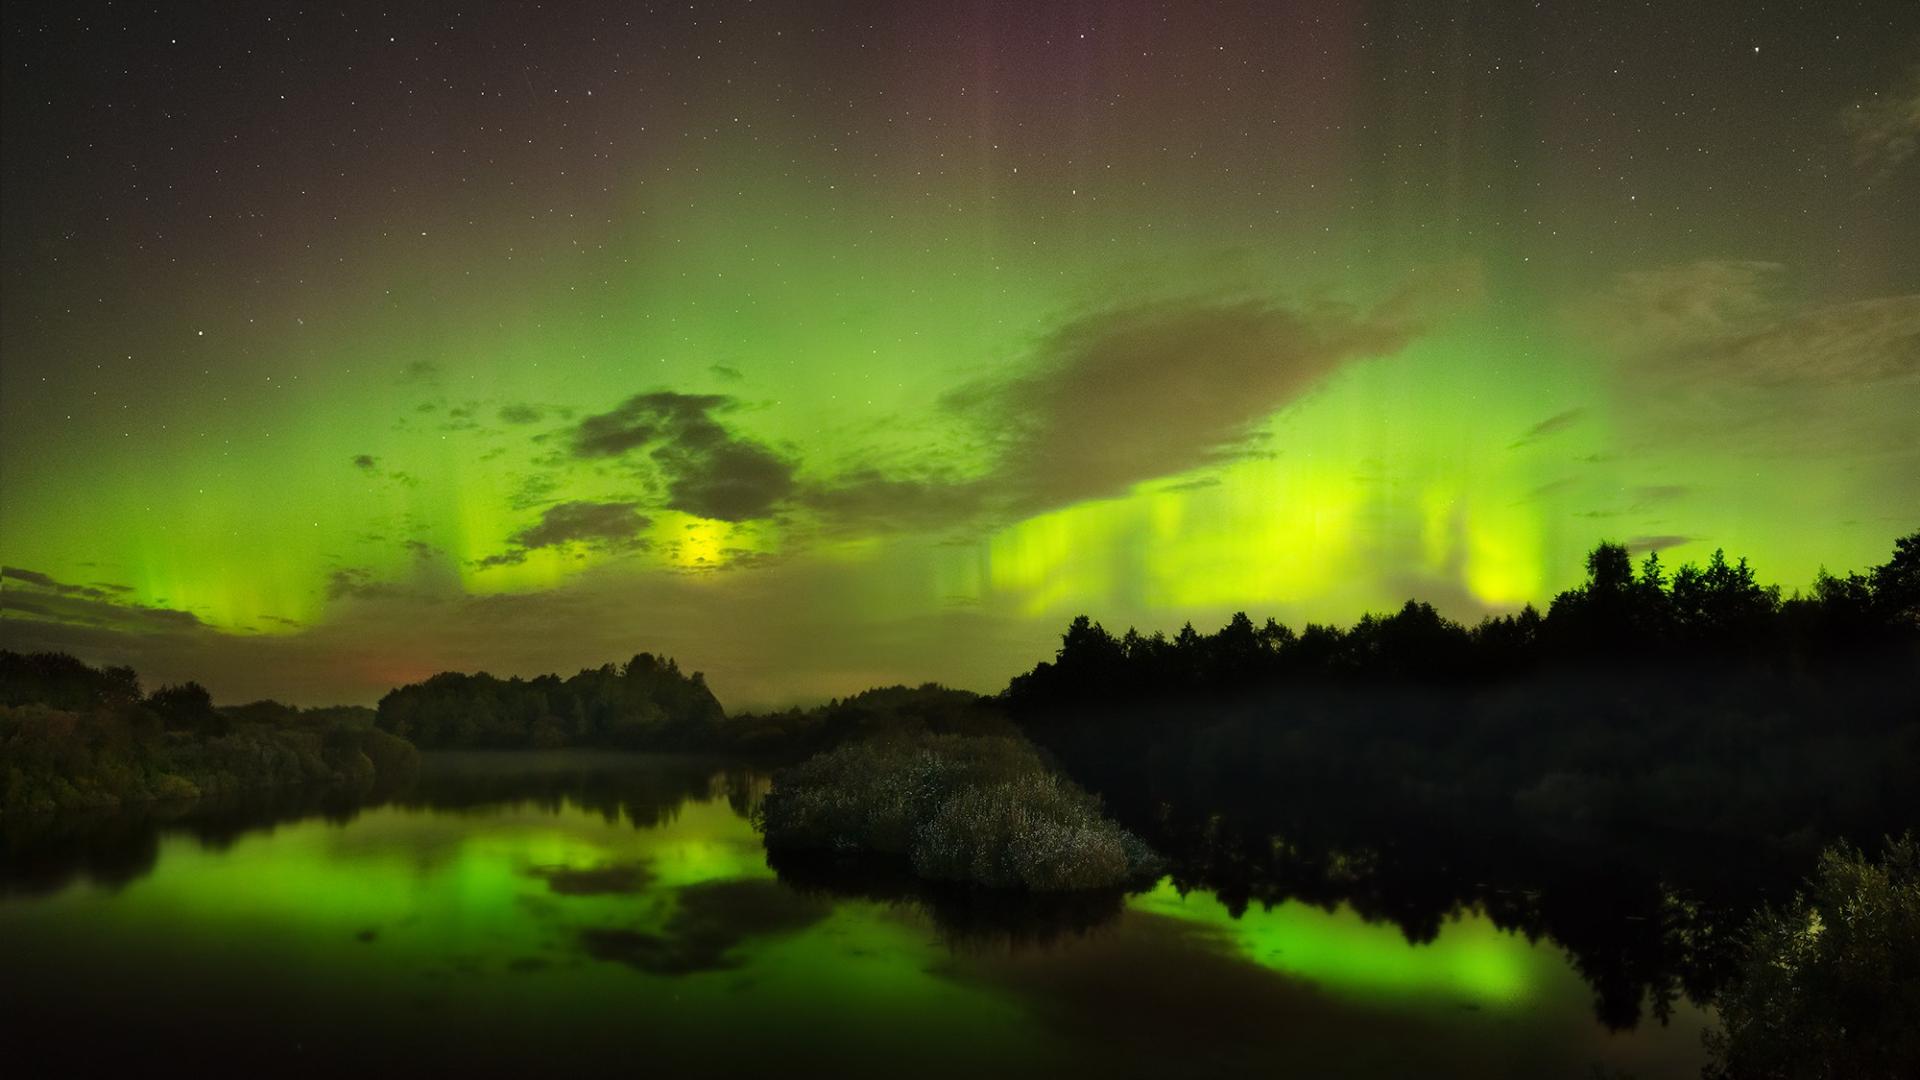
1886	128
1722	356
599	526
1127	395
1657	543
1641	499
34	596
1726	321
1552	425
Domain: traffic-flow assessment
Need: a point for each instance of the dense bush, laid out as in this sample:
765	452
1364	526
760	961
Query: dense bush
928	709
76	737
646	704
58	760
1830	985
984	810
63	682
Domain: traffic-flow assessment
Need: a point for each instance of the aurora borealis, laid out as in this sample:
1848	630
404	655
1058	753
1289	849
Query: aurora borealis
830	345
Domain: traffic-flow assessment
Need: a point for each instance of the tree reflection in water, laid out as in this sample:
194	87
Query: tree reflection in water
1643	935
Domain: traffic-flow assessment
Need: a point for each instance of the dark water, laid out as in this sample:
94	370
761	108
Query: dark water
578	915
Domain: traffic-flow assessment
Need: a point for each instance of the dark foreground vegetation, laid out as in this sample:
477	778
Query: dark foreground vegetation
1640	707
75	737
645	704
885	711
983	810
649	704
1829	985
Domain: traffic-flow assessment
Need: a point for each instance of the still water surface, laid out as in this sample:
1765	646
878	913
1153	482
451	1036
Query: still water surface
577	915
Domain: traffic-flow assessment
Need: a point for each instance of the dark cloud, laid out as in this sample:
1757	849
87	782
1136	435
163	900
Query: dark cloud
521	414
871	499
1130	394
462	418
639	421
1647	494
30	595
583	522
601	526
726	559
728	481
42	581
708	471
725	372
1552	425
1199	483
1551	487
1657	543
533	489
369	464
1642	499
427	579
420	373
356	581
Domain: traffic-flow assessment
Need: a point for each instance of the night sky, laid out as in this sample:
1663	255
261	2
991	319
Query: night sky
824	345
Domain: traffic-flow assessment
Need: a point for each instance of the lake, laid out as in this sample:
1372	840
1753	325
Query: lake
577	914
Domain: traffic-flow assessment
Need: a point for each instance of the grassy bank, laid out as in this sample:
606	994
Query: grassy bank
983	810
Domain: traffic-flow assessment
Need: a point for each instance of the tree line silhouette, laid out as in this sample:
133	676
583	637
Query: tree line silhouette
1718	612
644	704
73	736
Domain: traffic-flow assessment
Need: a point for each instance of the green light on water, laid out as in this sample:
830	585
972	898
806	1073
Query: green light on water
1471	959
